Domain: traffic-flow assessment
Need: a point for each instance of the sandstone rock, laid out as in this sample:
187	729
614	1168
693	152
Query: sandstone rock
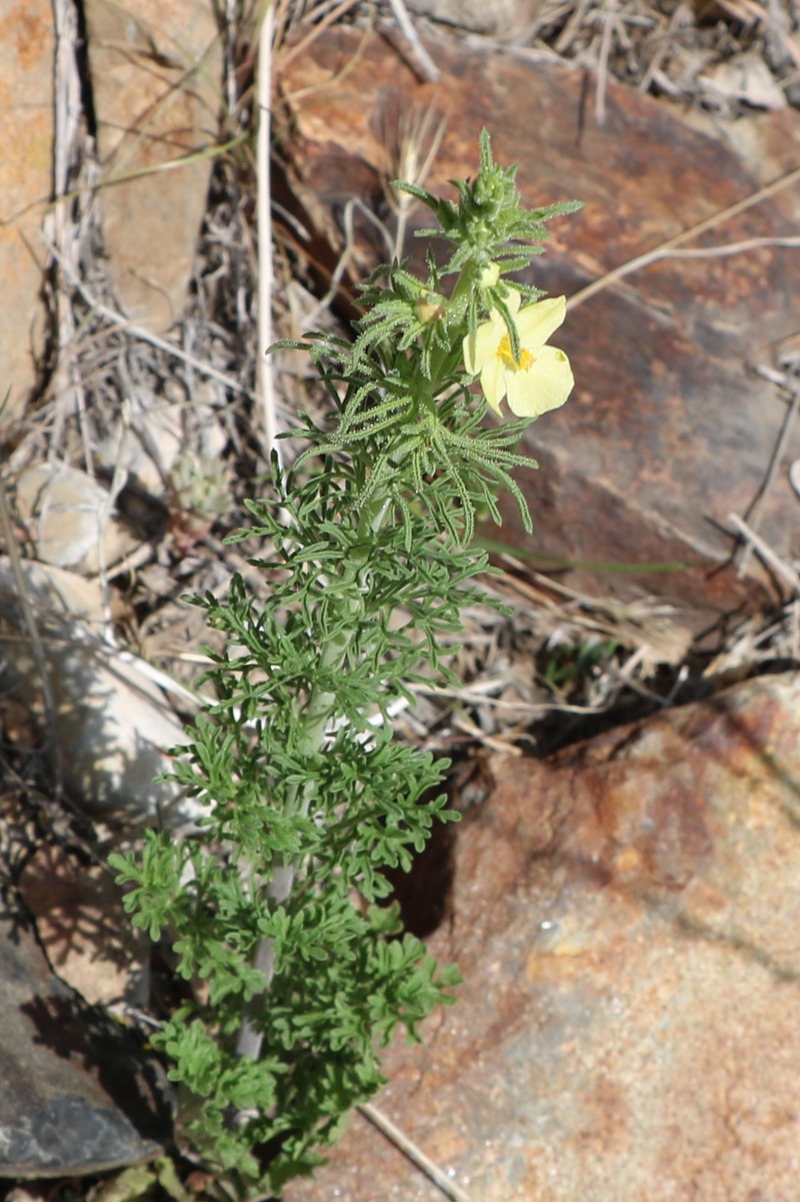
155	75
26	135
70	518
625	916
82	927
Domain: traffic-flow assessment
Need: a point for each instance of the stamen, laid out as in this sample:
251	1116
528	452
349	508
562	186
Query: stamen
526	359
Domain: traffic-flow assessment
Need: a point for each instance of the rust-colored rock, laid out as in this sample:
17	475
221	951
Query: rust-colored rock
668	430
626	918
81	925
26	136
155	71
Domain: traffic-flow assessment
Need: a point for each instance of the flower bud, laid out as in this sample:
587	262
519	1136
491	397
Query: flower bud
489	276
430	307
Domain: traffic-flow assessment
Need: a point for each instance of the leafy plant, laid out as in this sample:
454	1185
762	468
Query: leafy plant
279	911
566	664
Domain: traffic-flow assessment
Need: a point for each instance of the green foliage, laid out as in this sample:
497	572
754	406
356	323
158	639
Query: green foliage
571	663
278	910
488	223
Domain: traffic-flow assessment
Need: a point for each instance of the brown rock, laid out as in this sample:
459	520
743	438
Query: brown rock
81	925
155	85
668	431
26	135
626	918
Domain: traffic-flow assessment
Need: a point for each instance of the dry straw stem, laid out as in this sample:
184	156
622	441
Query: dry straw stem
766	553
741	10
61	230
411	150
609	20
266	272
413	1153
285	56
310	38
122	323
47	203
753	644
682	16
753	513
428	67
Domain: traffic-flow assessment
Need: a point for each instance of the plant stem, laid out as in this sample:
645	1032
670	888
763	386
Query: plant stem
319	712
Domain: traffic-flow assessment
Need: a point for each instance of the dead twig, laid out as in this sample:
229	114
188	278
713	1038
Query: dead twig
609	17
123	323
770	558
310	38
667	248
426	64
412	1152
264	221
753	513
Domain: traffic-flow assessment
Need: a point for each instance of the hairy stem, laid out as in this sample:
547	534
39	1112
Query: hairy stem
319	713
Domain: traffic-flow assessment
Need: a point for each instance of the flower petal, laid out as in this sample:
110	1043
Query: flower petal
538	321
494	382
483	345
544	386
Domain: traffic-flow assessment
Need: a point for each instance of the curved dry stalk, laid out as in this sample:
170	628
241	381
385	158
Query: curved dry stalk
414	1153
665	249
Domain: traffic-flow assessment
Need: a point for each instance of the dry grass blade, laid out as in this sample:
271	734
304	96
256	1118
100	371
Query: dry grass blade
609	17
428	67
264	220
414	1154
665	249
770	558
754	512
161	344
411	150
60	228
681	16
758	13
324	24
573	26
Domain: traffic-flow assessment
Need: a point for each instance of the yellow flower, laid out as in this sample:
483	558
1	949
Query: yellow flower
541	379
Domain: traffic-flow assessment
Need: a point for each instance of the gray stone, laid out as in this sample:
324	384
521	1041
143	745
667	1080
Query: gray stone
502	18
114	724
77	1093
